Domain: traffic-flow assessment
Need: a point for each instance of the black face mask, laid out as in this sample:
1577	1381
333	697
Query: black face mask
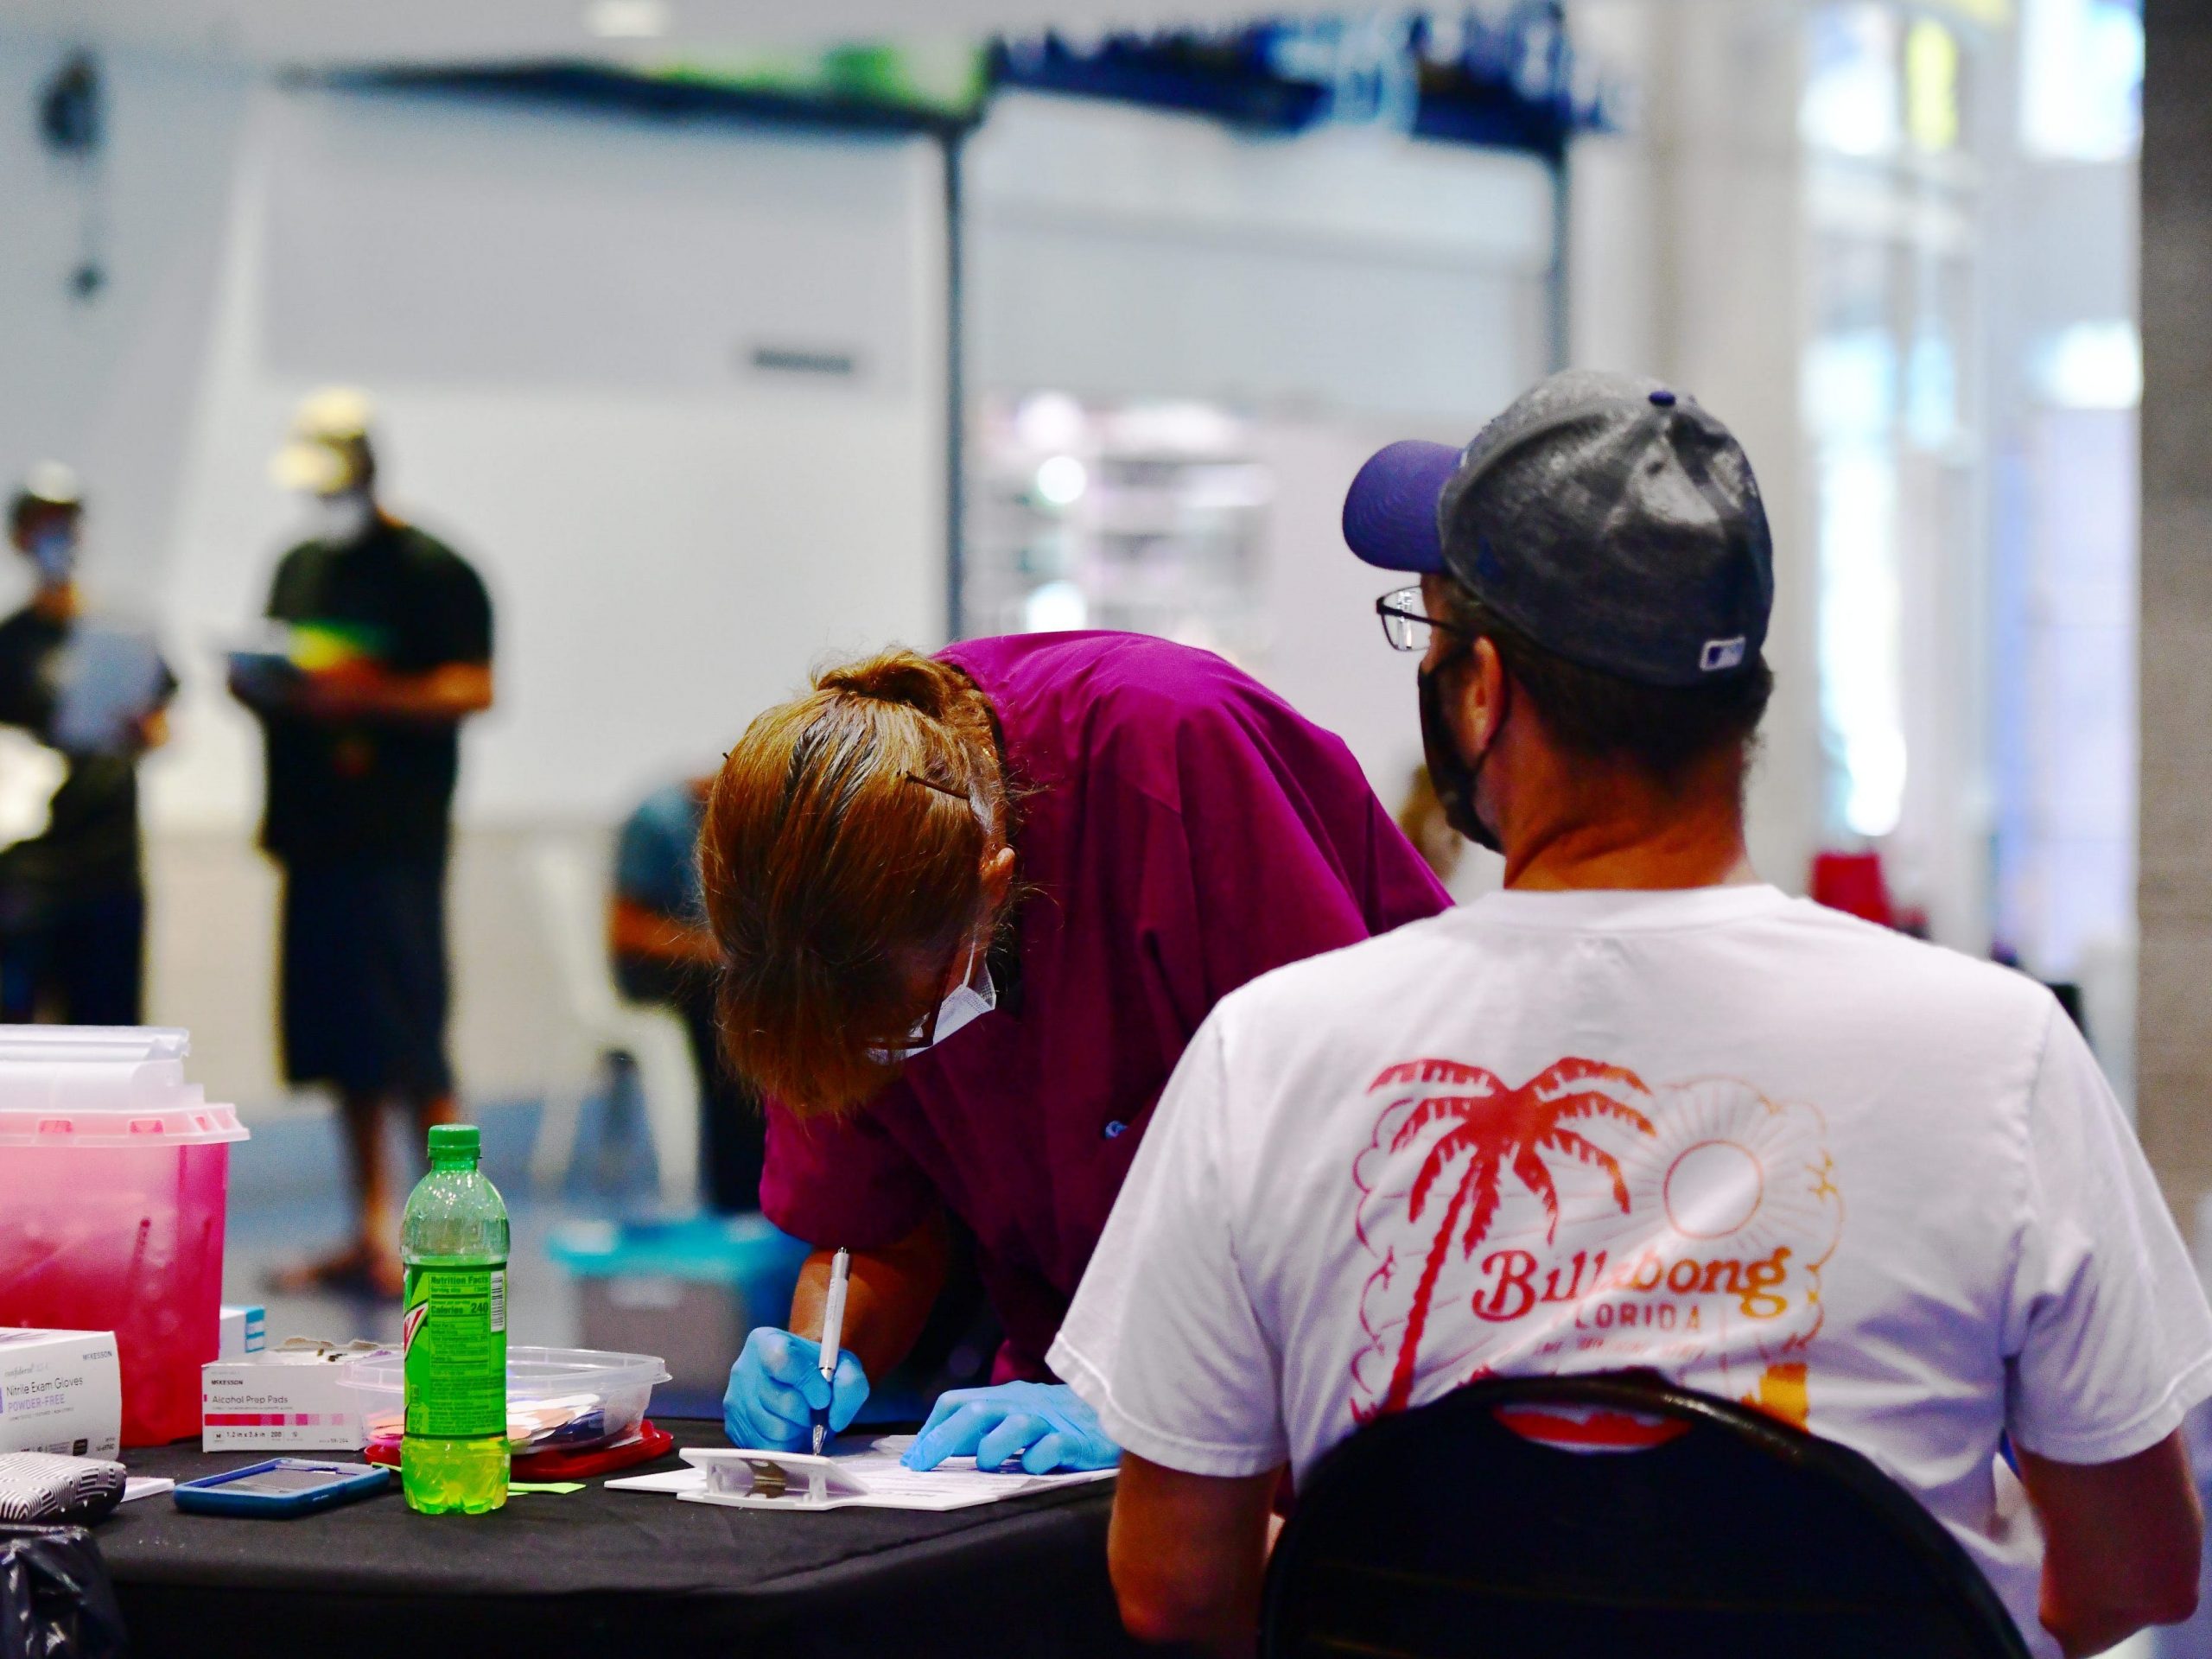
1453	776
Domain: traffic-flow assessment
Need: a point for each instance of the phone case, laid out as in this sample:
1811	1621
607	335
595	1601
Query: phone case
347	1482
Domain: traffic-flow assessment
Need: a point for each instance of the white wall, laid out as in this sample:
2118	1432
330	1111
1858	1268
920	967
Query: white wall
110	384
1685	260
1127	252
1344	289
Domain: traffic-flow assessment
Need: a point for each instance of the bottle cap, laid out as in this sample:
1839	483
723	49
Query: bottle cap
454	1139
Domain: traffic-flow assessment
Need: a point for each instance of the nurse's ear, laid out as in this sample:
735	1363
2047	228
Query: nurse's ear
998	878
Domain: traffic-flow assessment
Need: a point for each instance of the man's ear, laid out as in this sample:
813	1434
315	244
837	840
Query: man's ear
1479	708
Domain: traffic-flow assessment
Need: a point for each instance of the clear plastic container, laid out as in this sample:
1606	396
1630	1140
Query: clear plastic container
114	1173
571	1398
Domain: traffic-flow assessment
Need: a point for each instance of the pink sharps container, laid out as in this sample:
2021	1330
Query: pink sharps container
113	1177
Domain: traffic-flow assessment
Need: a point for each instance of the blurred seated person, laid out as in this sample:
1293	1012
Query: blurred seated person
1639	1111
88	699
663	953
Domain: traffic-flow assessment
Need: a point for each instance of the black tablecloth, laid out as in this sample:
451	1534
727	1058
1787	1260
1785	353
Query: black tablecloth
599	1572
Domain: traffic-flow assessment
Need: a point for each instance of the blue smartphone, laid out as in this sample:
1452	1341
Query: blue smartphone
281	1488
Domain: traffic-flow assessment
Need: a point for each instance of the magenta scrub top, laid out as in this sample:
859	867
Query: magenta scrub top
1180	831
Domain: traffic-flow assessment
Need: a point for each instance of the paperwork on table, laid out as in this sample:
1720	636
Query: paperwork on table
857	1474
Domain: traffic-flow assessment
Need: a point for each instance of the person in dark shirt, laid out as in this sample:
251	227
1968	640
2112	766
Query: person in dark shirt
390	649
73	895
663	953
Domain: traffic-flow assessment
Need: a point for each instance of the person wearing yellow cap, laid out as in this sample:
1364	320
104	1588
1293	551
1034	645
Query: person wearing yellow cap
387	649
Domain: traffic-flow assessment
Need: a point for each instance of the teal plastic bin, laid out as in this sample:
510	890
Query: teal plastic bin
688	1290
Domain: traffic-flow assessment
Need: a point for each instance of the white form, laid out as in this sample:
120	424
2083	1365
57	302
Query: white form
858	1474
111	679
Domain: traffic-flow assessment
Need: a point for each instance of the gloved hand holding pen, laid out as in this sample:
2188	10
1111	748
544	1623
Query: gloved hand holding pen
1038	1426
777	1386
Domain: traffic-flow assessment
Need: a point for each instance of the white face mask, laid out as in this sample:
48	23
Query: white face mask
343	517
965	1005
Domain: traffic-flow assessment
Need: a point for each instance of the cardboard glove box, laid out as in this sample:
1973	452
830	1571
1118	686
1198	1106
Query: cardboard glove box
60	1391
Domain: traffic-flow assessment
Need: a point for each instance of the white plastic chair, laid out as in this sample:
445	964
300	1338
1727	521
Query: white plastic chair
572	890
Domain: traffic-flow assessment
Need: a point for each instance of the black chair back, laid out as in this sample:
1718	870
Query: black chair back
1444	1532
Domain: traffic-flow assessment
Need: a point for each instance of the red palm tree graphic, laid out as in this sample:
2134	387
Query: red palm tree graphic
1496	1128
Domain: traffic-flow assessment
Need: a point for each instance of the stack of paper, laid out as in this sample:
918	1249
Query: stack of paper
111	679
859	1474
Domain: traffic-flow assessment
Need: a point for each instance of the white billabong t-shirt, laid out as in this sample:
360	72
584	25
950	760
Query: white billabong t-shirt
1876	1188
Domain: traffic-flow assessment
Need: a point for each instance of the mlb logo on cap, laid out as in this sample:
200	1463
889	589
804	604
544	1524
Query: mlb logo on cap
1722	654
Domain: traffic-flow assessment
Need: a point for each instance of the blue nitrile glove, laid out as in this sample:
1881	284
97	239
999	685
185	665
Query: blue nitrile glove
777	1386
1045	1423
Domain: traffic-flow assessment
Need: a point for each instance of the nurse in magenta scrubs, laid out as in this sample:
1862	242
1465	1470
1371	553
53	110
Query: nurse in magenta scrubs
971	908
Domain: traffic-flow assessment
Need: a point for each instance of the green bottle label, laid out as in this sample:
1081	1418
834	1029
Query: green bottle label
454	1336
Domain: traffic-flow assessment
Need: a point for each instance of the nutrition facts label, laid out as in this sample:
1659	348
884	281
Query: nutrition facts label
455	1342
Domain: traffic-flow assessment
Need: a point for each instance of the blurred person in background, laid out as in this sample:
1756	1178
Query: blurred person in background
970	908
389	650
88	699
663	953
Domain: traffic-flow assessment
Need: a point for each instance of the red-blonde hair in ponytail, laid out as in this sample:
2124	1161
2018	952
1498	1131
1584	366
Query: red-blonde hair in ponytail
842	844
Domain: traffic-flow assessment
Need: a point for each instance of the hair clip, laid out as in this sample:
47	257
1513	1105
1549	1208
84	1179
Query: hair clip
958	795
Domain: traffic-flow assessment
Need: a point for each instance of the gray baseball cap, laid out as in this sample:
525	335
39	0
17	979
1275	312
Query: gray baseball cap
1611	518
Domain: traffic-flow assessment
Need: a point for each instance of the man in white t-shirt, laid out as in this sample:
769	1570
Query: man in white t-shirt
1638	1110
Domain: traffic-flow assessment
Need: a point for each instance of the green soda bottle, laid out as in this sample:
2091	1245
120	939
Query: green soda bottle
453	1242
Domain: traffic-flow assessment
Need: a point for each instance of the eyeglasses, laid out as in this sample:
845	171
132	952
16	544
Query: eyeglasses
1406	622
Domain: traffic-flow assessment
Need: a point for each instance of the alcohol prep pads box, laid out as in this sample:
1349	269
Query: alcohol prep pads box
288	1399
60	1391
